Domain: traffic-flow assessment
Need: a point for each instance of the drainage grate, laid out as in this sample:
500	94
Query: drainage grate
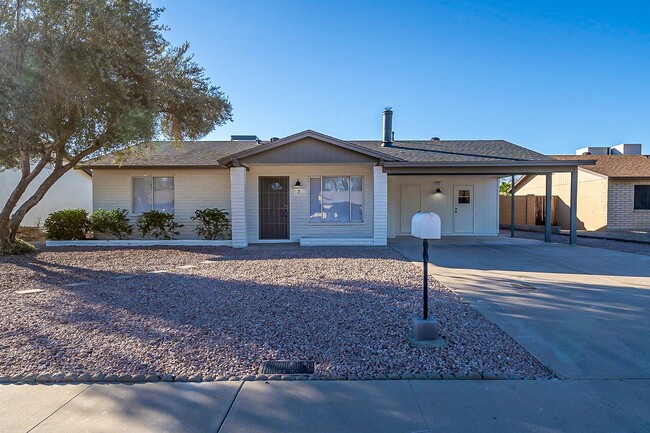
276	366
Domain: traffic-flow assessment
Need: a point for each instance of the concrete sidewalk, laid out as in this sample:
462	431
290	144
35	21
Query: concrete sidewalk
329	406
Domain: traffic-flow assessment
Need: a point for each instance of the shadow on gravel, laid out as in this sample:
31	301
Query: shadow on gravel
348	309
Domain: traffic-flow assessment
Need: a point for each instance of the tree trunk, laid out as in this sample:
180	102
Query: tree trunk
44	187
56	174
12	201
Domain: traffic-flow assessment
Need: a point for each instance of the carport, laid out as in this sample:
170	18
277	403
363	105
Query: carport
499	169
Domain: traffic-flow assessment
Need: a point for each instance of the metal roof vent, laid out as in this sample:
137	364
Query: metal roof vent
274	139
435	138
244	138
387	137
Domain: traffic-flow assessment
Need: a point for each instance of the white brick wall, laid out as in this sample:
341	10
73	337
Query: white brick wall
193	189
621	214
380	203
238	206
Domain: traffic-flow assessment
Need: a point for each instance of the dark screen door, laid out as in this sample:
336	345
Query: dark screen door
274	208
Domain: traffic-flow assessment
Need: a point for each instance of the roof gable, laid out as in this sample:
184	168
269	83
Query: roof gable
308	147
617	166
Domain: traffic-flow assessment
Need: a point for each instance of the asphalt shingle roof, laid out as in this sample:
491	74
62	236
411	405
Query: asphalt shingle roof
628	166
169	153
454	150
207	153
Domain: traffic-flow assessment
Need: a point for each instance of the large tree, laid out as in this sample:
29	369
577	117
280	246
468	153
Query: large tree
79	78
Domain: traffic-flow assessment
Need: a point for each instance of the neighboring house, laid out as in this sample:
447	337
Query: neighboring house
73	190
316	189
613	194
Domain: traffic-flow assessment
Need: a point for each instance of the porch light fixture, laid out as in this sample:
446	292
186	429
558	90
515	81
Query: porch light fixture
438	190
298	186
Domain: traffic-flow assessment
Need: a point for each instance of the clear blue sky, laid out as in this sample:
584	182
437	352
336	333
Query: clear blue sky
549	75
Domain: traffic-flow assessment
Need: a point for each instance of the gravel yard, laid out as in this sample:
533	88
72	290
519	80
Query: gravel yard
347	309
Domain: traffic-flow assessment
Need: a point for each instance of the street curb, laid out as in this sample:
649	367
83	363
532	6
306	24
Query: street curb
195	378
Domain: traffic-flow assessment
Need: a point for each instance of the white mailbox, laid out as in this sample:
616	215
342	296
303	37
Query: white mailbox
425	225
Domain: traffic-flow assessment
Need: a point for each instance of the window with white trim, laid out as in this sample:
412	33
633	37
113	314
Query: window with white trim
336	199
153	193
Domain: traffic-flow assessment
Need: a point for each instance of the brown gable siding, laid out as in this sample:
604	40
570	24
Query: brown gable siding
309	151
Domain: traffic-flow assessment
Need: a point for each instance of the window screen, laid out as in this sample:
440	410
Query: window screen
153	193
641	196
336	199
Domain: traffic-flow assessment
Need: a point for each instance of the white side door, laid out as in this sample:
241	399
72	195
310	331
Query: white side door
463	209
410	204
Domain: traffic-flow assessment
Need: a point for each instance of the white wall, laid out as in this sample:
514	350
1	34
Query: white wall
299	203
486	201
73	190
193	189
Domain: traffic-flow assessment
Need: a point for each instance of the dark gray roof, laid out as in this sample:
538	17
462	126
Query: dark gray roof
208	153
454	150
170	153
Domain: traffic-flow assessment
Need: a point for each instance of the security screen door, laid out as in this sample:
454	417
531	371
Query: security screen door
274	207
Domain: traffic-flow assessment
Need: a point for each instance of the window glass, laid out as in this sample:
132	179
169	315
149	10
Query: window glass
155	193
641	196
163	194
463	196
356	199
336	199
314	200
142	194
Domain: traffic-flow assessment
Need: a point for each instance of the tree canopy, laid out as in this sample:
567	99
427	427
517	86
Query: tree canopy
84	77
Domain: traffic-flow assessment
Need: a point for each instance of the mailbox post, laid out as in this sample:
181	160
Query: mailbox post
425	226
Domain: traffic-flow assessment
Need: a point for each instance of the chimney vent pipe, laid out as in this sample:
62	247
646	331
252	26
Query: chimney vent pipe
387	138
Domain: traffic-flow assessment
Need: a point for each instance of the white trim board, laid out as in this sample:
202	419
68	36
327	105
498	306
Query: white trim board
337	242
140	243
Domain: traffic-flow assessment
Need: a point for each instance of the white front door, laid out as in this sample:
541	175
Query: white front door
463	208
410	204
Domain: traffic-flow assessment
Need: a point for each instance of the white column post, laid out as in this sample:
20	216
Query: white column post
380	206
573	210
238	207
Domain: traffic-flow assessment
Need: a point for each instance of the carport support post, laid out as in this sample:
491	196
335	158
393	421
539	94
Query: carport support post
425	294
512	206
547	211
573	209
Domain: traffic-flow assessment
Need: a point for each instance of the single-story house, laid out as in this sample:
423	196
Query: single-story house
613	194
72	191
319	190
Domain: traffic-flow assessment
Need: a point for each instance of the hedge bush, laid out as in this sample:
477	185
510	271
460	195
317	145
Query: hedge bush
18	247
158	224
67	224
113	222
213	223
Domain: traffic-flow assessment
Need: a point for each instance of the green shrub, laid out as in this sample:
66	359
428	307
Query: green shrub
67	224
158	224
113	222
213	223
19	247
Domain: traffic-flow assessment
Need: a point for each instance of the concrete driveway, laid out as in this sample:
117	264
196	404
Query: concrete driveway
583	312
